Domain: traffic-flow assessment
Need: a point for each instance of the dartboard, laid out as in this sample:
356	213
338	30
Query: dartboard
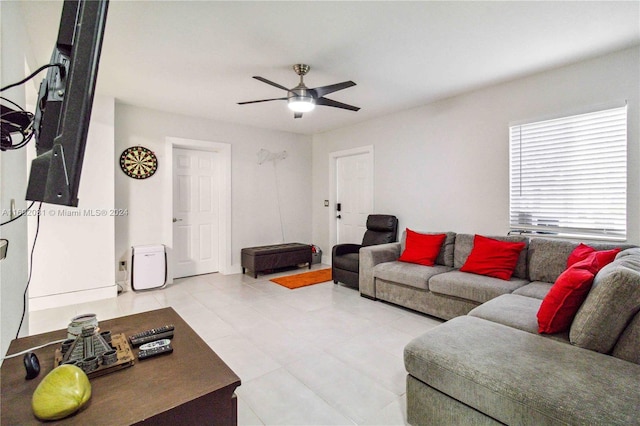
138	162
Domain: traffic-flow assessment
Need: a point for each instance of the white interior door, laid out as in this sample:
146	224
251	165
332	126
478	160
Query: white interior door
195	212
354	196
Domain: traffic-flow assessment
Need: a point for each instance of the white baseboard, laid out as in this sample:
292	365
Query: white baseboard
236	268
72	298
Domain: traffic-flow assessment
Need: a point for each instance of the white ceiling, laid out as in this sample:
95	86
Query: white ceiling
197	57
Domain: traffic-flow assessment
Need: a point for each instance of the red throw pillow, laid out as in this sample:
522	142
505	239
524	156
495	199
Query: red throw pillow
565	297
583	251
579	253
493	258
422	249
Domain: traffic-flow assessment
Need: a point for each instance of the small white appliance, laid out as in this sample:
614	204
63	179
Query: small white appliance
148	267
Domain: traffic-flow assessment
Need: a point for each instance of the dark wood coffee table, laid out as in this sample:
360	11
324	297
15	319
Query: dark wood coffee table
190	386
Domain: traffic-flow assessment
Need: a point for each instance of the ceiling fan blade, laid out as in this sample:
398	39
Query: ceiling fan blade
336	104
264	80
262	100
325	90
297	115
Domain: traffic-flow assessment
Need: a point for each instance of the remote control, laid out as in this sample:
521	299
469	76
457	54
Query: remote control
149	353
156	344
147	336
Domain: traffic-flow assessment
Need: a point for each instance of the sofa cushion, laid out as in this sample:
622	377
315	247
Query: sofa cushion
612	302
445	257
517	312
492	258
464	245
564	299
422	249
536	289
348	262
408	273
521	378
478	288
512	310
548	257
627	346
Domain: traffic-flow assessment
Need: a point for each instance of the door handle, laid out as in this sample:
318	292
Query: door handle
176	220
339	216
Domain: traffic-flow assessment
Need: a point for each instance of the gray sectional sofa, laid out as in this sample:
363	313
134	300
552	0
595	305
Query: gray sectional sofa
488	364
445	292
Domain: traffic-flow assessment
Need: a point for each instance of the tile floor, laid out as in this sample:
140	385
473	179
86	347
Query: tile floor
318	355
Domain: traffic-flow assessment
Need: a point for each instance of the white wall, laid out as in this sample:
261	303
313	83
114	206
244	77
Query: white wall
73	260
13	270
444	166
254	209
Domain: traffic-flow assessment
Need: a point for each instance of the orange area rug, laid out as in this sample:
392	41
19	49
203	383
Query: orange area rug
305	279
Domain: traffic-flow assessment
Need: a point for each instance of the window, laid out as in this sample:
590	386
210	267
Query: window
569	175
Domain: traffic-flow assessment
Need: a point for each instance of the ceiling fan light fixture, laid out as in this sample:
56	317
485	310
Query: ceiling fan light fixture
301	99
301	104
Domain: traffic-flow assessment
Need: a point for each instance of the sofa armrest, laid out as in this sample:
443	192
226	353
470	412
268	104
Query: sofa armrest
370	256
342	249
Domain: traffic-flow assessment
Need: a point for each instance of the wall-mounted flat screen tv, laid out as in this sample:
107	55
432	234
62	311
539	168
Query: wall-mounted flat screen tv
65	99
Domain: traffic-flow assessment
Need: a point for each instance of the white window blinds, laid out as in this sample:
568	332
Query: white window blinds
569	175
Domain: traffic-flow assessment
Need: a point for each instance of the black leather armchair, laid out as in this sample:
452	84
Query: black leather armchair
345	258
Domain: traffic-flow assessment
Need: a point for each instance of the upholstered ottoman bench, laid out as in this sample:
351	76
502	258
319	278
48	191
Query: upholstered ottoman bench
258	259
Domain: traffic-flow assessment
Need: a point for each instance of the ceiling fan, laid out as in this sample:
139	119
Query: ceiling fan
301	99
